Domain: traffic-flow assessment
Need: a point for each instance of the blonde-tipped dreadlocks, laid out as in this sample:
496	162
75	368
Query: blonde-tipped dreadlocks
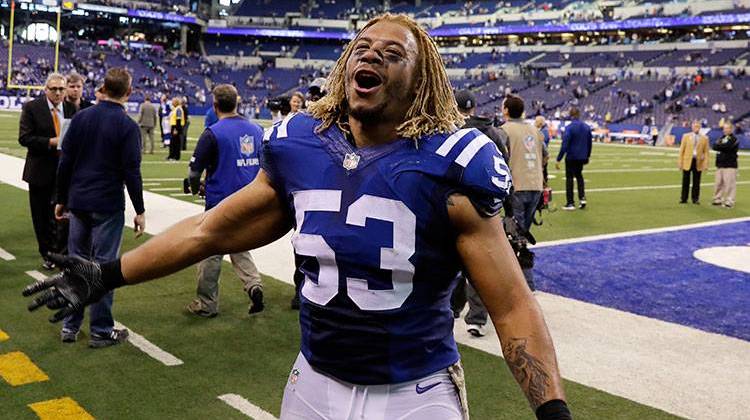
434	108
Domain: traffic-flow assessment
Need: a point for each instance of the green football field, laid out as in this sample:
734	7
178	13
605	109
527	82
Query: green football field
630	188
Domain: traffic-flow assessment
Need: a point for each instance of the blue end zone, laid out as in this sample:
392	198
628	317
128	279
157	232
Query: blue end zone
655	275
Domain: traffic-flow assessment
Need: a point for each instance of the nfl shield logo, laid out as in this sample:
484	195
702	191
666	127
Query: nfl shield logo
247	145
529	142
351	161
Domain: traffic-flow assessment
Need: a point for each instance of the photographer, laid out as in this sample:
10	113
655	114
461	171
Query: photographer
280	107
228	151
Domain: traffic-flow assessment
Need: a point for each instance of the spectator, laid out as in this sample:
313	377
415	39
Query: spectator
576	148
39	131
693	161
101	151
186	126
526	152
211	118
726	167
219	154
147	120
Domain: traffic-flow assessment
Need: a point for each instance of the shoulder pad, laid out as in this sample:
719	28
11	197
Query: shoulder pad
295	124
470	161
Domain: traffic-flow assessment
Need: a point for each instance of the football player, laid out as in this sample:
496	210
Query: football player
399	201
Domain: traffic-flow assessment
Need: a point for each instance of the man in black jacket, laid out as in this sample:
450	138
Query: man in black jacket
726	167
39	131
74	93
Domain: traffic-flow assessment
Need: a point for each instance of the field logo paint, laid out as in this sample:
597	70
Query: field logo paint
731	257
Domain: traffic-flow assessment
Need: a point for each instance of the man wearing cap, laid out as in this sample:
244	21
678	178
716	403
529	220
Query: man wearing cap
476	317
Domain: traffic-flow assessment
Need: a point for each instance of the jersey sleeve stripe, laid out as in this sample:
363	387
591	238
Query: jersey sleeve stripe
281	132
268	132
471	149
451	141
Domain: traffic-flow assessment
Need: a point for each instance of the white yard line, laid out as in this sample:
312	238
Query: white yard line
165	189
640	232
668	366
151	184
652	187
150	348
5	255
179	194
36	275
246	407
642	169
162	179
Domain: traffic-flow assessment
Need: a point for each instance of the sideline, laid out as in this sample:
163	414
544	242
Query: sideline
664	365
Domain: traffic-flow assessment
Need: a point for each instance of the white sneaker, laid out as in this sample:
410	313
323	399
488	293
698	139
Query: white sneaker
476	330
582	205
569	207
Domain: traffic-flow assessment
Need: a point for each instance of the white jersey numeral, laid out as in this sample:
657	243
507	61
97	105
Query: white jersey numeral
395	259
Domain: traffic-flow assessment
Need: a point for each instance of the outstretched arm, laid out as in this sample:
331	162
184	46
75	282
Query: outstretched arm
248	219
518	320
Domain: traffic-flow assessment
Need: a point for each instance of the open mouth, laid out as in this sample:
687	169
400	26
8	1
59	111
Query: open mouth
367	81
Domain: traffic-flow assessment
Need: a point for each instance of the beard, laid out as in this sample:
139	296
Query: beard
377	113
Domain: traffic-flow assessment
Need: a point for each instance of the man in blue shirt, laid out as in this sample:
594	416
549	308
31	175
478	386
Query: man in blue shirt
576	148
101	151
229	152
211	118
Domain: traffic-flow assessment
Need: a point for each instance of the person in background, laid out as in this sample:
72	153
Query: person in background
297	102
576	149
526	152
176	126
229	152
101	151
725	187
211	118
476	317
316	90
165	110
693	160
74	92
186	126
39	132
541	124
147	119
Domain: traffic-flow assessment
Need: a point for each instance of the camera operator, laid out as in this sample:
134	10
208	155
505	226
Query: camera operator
280	107
228	151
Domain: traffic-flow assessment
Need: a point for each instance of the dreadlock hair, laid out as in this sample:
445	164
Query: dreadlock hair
434	108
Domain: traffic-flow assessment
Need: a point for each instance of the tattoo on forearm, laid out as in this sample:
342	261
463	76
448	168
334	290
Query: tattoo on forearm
529	371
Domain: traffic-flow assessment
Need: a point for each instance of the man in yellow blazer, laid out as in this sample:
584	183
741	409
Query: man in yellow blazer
693	160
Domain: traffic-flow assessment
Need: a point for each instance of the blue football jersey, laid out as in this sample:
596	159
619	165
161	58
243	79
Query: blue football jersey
379	254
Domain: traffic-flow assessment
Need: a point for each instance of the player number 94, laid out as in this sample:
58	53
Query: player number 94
395	259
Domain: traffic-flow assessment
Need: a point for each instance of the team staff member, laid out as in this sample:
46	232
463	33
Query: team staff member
39	132
176	126
229	152
693	161
527	153
74	92
726	167
576	149
389	201
101	151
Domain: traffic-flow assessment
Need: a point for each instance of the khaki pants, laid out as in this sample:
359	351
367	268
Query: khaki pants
147	132
208	277
725	188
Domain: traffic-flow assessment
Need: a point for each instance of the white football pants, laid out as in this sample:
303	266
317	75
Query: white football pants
311	395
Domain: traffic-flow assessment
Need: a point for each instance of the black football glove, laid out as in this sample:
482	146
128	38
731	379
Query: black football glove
81	283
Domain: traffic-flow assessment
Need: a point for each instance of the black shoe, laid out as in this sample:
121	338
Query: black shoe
295	303
696	202
582	204
683	201
48	265
98	341
256	300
